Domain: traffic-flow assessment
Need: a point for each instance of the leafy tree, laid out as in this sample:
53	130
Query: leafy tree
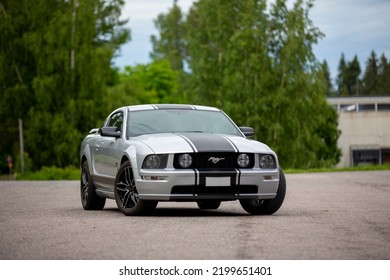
170	44
56	65
150	83
258	65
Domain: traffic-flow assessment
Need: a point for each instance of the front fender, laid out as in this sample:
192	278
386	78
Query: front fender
136	154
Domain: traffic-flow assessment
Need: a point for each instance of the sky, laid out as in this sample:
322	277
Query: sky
352	27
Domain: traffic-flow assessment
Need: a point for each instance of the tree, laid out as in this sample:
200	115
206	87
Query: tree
353	82
383	76
328	82
348	82
260	68
57	58
370	78
170	44
341	79
150	83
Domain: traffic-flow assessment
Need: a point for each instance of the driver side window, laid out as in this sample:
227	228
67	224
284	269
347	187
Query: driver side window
116	120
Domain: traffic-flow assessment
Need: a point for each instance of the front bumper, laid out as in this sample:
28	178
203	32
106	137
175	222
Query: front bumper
196	184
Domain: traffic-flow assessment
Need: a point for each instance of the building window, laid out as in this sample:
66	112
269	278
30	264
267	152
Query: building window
366	107
385	156
383	107
365	157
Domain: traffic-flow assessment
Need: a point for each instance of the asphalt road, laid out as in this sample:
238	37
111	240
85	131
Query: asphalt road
325	216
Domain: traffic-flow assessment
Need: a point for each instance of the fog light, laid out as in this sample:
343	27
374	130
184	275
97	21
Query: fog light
243	160
185	160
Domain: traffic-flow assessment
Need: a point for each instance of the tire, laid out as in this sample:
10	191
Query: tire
89	199
266	206
126	194
208	204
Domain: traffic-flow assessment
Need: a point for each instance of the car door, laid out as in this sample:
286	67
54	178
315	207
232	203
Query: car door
107	152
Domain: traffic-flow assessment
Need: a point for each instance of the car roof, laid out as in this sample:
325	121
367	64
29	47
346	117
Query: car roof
170	106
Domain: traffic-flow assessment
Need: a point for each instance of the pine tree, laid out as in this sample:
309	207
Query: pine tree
370	78
348	80
383	76
328	82
341	83
353	82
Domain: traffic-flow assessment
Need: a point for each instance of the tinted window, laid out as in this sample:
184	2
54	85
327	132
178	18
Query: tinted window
168	121
116	120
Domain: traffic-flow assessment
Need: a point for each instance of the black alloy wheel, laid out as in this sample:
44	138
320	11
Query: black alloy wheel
267	206
89	199
126	194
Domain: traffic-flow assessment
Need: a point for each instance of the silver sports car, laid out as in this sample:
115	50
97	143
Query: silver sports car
149	153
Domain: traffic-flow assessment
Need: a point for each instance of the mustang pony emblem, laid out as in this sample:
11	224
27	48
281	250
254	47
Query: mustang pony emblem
215	160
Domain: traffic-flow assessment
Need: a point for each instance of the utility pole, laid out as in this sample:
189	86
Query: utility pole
72	42
21	146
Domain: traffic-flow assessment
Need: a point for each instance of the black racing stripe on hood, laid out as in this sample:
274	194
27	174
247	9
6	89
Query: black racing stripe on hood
206	142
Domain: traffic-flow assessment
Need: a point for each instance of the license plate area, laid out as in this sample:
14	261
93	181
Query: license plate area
218	181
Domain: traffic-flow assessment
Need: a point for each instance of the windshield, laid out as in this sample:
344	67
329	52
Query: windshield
179	120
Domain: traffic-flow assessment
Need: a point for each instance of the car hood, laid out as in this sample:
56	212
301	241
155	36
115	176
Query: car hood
165	143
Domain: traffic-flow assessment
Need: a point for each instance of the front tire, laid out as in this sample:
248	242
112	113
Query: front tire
126	194
89	199
266	206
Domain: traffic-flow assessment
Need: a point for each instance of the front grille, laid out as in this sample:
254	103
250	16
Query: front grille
202	190
211	160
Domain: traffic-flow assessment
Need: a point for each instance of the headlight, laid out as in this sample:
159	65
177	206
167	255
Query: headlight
155	161
185	160
267	162
243	160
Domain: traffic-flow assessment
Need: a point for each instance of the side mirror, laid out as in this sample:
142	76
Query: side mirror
93	130
248	131
110	131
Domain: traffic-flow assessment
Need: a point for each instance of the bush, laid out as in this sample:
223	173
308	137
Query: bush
52	173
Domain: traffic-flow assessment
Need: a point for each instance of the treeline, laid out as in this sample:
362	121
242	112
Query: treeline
253	59
352	81
55	69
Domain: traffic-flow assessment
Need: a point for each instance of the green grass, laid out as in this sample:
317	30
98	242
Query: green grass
357	168
52	173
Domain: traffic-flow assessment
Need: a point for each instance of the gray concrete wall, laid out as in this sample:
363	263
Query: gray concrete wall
364	123
369	129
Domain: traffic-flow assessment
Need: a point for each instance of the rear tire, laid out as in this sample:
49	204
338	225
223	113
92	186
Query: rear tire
208	204
89	199
126	194
266	206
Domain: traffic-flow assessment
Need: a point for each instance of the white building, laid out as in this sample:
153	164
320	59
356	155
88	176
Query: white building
364	123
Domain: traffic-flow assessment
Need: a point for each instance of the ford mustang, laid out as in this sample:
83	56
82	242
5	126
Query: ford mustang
145	154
